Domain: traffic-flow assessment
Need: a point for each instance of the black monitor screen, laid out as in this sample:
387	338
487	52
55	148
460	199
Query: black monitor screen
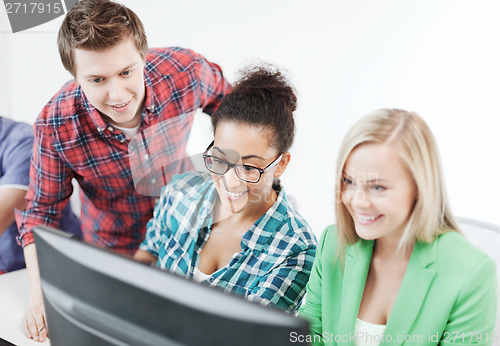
96	297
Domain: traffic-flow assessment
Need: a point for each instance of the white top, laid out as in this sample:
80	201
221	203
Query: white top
198	276
368	334
129	133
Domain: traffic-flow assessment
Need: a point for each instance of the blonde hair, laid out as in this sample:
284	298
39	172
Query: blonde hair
413	141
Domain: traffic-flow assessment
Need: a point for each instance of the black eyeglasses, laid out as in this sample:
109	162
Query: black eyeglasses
246	173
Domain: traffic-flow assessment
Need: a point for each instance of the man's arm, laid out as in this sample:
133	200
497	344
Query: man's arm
49	187
48	192
213	84
34	322
12	198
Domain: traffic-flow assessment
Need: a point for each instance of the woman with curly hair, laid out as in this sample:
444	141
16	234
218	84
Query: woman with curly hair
233	227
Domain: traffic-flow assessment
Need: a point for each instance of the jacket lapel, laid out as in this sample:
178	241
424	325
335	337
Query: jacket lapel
357	263
412	292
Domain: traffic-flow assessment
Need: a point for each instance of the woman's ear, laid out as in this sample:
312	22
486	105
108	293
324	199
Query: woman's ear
285	159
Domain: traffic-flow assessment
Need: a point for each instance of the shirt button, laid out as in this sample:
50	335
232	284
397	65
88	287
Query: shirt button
110	128
146	157
153	181
123	140
100	129
152	107
157	200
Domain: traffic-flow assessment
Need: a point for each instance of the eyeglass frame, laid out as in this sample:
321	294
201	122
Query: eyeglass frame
232	165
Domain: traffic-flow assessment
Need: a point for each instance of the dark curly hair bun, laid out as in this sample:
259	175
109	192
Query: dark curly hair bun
263	97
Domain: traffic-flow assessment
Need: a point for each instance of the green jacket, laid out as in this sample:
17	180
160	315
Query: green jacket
448	293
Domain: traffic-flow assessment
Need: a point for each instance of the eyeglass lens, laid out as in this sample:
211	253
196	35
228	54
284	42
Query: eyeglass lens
246	173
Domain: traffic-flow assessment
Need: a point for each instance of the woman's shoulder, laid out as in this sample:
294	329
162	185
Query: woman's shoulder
454	259
282	232
329	236
330	231
455	249
292	224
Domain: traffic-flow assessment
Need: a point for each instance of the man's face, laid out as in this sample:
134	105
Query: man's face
113	82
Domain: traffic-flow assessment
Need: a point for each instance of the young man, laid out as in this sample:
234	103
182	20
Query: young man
120	89
16	144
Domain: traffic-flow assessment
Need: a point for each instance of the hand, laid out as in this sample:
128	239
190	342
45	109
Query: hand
34	321
145	257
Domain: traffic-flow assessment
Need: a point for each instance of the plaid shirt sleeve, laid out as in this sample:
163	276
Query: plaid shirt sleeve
284	286
213	85
151	242
50	179
206	78
157	224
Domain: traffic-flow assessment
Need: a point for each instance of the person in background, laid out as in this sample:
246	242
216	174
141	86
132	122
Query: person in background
16	144
232	227
120	90
396	268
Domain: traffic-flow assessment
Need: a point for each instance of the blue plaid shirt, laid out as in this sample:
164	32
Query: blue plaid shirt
277	252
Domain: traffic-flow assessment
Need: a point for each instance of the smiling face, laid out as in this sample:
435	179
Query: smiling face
113	82
378	191
251	143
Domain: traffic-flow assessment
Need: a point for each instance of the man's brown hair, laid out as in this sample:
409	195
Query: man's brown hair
98	25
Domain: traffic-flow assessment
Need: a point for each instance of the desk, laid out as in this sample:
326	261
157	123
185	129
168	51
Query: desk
14	294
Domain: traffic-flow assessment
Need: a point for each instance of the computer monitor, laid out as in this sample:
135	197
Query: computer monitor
94	296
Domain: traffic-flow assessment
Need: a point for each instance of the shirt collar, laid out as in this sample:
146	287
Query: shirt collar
261	233
151	102
92	112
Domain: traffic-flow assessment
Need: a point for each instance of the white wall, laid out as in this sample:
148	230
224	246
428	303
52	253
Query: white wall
346	58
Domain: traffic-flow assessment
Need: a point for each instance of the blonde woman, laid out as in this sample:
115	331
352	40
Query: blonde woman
396	269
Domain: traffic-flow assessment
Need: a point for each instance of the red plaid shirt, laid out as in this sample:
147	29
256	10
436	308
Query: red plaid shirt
73	141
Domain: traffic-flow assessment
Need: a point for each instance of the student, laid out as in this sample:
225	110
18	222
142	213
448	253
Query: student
396	267
16	144
120	89
233	227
